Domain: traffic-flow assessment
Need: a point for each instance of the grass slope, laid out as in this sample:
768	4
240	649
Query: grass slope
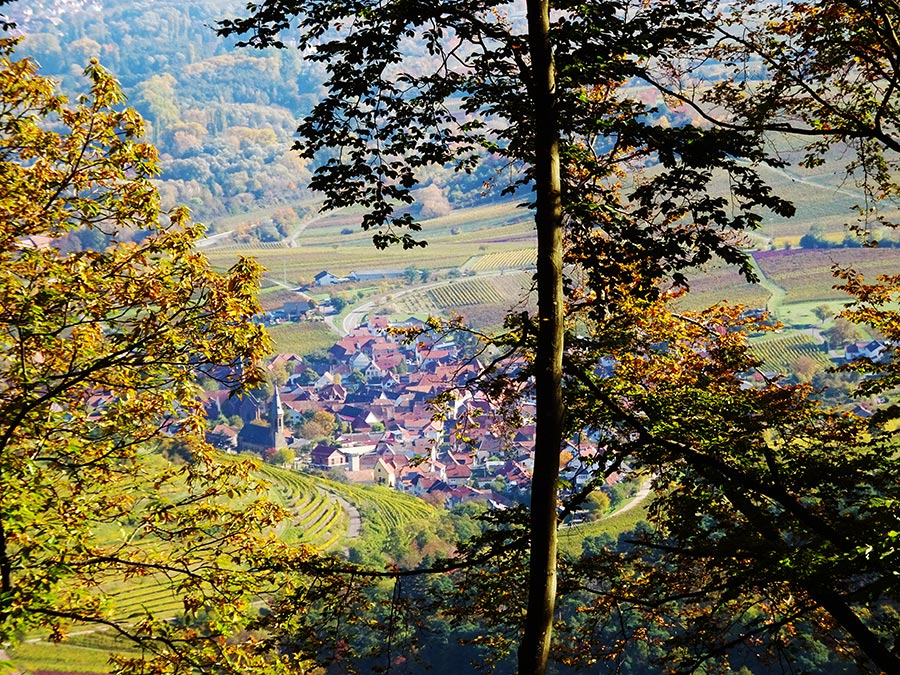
301	338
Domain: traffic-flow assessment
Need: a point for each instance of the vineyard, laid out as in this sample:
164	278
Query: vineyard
383	510
146	596
780	352
806	274
300	338
318	519
82	652
336	242
466	293
241	248
499	291
299	266
321	521
503	260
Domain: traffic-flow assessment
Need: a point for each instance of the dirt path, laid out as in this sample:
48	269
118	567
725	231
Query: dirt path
856	194
291	241
773	304
642	494
352	512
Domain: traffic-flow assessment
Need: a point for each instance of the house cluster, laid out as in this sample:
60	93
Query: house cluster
378	387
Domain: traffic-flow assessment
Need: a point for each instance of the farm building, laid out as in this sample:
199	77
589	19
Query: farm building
872	350
371	275
326	278
298	309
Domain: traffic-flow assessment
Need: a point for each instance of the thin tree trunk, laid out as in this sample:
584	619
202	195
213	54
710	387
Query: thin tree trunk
535	645
5	577
869	643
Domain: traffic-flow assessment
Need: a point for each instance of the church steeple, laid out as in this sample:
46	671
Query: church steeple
276	419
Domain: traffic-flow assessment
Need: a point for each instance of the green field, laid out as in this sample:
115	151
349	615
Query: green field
87	653
301	338
570	538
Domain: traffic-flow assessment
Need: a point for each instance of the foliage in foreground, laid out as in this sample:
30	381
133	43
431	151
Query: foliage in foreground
774	518
105	475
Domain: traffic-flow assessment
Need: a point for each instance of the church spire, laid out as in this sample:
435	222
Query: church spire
276	419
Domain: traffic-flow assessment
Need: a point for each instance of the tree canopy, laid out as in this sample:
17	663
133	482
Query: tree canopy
106	476
774	518
771	512
543	95
742	517
823	73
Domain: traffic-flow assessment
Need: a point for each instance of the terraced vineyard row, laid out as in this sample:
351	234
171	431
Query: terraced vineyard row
383	510
778	353
156	598
466	293
503	260
319	520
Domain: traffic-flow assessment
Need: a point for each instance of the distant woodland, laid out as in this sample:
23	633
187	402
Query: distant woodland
223	119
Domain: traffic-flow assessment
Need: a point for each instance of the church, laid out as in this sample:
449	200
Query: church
261	436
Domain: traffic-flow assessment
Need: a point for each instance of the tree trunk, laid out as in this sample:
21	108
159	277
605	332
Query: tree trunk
869	643
538	628
5	573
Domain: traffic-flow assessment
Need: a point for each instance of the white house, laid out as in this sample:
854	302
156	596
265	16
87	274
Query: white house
326	278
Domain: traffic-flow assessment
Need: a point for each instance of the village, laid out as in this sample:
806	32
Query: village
375	390
364	412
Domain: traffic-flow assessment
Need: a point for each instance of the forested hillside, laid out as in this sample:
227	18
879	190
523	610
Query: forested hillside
220	118
223	119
